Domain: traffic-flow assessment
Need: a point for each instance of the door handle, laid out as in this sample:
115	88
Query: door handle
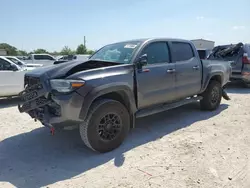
171	70
196	67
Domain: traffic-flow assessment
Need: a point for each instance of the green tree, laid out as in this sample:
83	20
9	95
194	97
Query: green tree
22	53
40	51
66	51
90	52
55	53
11	50
81	49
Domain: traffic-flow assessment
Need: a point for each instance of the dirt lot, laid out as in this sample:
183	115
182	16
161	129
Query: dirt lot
179	148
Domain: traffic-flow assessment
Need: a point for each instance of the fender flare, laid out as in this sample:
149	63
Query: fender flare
105	89
210	77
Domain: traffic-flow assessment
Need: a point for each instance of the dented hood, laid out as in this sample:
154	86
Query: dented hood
66	69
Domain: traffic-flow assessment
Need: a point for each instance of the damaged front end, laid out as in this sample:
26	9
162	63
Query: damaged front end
37	101
55	95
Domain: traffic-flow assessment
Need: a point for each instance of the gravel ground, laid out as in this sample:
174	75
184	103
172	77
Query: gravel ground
183	147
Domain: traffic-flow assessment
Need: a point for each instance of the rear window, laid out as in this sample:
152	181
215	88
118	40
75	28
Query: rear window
15	61
202	54
182	51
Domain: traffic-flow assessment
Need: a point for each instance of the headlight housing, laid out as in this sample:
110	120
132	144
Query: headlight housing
65	86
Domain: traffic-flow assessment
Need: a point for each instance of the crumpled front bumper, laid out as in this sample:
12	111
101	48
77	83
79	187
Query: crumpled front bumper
51	110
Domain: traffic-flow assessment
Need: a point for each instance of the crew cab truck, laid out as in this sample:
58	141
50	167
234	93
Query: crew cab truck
120	82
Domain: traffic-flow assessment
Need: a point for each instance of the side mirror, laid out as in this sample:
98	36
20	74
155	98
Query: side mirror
142	61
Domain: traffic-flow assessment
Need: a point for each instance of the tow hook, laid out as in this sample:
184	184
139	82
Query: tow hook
224	95
51	128
52	131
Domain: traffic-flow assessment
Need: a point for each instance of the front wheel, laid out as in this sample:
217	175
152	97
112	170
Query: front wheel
211	96
106	126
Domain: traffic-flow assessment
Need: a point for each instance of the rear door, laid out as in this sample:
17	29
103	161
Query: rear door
11	82
156	81
188	69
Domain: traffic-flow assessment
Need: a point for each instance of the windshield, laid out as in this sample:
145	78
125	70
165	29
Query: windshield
17	62
119	52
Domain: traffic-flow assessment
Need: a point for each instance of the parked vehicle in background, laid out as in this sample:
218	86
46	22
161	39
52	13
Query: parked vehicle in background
82	57
44	59
63	59
239	56
22	57
28	66
11	78
120	82
67	58
203	53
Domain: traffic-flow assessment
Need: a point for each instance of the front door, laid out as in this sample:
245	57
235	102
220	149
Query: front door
188	70
156	80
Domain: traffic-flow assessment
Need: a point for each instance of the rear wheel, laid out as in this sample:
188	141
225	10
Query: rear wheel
106	125
211	96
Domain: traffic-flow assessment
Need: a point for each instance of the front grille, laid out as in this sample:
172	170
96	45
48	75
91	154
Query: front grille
29	81
52	109
29	96
30	105
41	101
37	101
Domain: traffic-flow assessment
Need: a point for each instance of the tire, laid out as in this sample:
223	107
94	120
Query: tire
211	96
106	112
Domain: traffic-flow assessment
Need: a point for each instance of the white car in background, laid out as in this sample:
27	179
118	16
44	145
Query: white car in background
44	59
28	66
11	78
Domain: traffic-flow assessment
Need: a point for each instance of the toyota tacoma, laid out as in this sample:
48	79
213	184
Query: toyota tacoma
119	83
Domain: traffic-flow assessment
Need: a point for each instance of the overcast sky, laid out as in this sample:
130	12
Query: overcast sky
52	24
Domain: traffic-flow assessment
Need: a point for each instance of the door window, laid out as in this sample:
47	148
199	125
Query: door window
157	52
4	65
43	57
15	61
182	51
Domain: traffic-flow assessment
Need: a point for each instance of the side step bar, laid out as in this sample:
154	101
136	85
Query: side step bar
164	107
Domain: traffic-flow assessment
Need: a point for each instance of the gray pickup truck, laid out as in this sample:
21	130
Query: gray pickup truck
120	82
